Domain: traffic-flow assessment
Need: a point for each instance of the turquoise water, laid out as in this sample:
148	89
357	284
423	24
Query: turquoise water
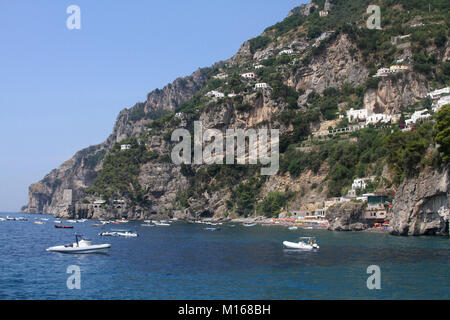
184	261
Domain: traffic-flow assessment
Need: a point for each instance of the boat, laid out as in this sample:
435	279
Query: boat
305	243
81	245
22	219
293	228
162	224
2	219
97	224
39	222
10	218
107	234
63	227
44	219
72	221
249	224
127	234
82	220
212	229
147	225
57	221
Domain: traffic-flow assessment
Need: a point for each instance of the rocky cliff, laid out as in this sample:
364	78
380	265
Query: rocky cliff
421	205
79	172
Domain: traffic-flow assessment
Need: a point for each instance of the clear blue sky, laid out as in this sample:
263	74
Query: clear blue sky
61	90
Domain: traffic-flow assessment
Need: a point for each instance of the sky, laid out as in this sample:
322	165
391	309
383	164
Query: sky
61	90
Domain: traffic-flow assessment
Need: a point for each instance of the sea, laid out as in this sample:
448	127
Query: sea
185	261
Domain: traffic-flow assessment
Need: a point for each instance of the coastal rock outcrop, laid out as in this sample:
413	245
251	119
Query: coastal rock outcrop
421	205
347	216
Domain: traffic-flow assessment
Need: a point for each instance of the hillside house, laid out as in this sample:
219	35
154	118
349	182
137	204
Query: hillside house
248	75
125	147
262	86
358	115
421	114
215	94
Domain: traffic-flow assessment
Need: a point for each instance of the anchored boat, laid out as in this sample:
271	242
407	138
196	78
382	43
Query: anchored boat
305	243
81	245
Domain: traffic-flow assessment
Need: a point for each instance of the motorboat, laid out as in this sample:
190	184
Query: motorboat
39	222
81	220
97	224
161	224
212	229
22	219
293	228
107	234
249	224
72	221
147	225
127	234
305	243
57	221
81	245
2	219
10	218
44	219
63	227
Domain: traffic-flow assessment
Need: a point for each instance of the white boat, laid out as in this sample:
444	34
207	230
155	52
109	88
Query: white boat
72	221
39	222
81	245
2	219
147	225
107	234
305	243
44	219
293	228
127	234
162	224
249	224
82	220
57	221
10	218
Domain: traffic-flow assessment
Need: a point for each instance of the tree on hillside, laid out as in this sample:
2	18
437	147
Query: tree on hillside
443	131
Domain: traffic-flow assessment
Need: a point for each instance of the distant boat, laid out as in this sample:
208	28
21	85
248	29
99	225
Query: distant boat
293	228
147	225
97	224
212	229
63	227
44	219
162	224
39	222
127	234
2	219
249	224
10	218
107	234
81	245
72	221
305	243
57	221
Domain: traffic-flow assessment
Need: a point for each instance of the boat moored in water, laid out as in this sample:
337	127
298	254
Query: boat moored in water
81	245
305	243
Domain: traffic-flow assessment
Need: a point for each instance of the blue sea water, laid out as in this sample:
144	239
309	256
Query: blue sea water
184	261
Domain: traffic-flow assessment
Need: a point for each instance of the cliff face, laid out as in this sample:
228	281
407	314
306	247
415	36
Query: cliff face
78	173
346	217
421	205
